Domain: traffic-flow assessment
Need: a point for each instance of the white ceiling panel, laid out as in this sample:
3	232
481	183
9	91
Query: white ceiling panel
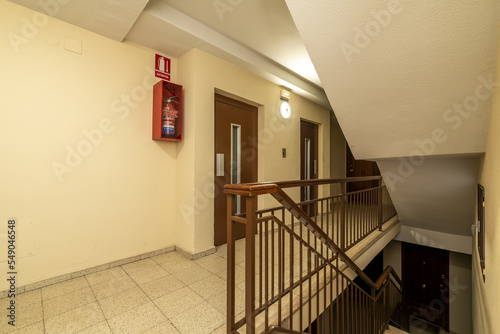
110	18
399	73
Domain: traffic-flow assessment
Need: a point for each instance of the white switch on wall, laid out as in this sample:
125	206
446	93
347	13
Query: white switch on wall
73	45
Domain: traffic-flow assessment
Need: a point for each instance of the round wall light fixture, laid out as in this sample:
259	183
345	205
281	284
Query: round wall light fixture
285	110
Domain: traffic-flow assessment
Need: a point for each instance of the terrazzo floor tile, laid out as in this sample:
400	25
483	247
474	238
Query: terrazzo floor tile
100	328
113	286
105	275
177	263
192	275
202	319
219	301
63	288
163	328
27	299
74	320
221	251
161	286
67	302
189	297
26	314
137	320
212	263
122	302
168	257
178	301
36	328
138	265
209	287
239	272
148	274
221	330
239	257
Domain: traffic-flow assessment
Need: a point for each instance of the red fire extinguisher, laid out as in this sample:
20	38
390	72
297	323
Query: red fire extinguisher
169	117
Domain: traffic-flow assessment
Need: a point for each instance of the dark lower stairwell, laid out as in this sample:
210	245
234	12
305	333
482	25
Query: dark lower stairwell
335	320
298	276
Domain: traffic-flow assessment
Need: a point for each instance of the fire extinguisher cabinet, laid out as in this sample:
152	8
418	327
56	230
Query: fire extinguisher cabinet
167	111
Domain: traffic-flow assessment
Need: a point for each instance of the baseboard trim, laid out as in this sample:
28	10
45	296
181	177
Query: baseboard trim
195	256
83	272
91	270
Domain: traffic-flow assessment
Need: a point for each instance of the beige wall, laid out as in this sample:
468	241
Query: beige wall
486	295
460	295
121	194
392	256
337	152
203	75
114	200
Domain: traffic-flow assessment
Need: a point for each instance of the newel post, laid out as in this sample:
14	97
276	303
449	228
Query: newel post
231	264
380	205
251	229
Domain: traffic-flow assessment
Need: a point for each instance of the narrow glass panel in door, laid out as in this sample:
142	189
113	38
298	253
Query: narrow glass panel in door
236	161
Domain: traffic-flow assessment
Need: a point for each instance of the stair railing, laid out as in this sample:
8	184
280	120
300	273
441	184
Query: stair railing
280	294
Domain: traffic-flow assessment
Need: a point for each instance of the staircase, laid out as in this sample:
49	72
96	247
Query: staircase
298	276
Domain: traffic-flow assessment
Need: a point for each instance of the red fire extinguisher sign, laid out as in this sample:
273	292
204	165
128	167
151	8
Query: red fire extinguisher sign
162	67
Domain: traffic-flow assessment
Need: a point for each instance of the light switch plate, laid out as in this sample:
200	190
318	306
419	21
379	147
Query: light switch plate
73	45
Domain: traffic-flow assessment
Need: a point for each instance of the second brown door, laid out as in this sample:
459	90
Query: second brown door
426	282
308	163
358	168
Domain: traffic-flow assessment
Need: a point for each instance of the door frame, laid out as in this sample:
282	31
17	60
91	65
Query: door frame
312	191
353	166
220	97
405	263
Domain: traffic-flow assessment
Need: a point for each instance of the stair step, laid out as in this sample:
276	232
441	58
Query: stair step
394	330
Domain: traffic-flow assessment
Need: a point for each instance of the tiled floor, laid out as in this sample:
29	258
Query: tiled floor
165	294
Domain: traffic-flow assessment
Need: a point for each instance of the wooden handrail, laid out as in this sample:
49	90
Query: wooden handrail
383	277
254	189
373	216
276	208
280	194
315	182
261	188
251	189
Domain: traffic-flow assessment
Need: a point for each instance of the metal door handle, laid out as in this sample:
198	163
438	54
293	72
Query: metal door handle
315	166
219	170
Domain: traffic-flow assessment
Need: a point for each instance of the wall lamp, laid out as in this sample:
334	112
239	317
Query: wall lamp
285	109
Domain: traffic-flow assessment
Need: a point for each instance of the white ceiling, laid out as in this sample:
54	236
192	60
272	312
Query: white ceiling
261	25
110	18
165	28
396	86
257	35
437	195
400	76
392	87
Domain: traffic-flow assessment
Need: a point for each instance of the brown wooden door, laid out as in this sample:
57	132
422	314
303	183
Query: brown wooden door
236	141
309	163
426	282
356	168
